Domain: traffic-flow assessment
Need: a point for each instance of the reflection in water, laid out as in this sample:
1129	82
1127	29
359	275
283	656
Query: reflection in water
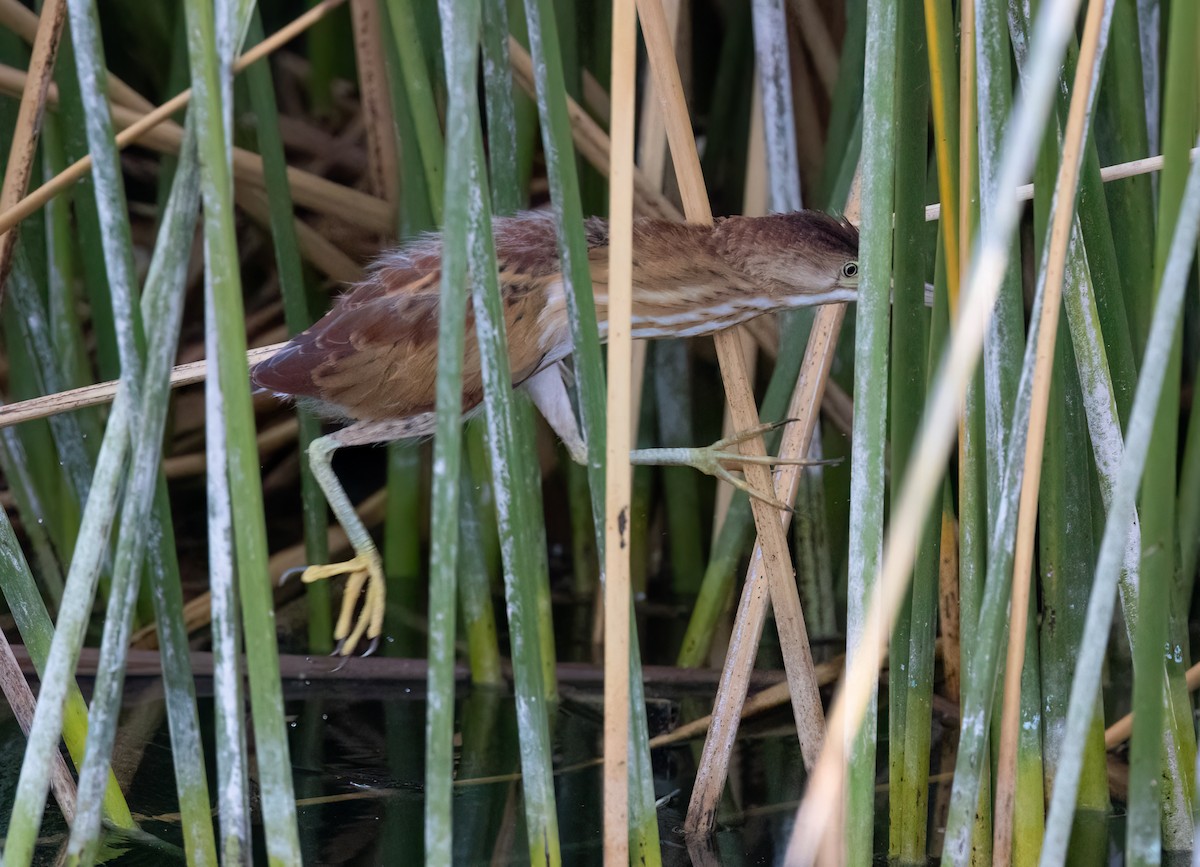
358	761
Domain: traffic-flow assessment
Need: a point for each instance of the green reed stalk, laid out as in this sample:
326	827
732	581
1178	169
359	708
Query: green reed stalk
1183	94
1022	135
70	348
37	632
322	52
959	189
910	686
298	317
487	750
524	104
165	314
973	445
972	463
402	560
1142	421
1090	384
36	440
1188	507
73	112
1066	552
419	96
521	537
1122	135
460	23
45	374
474	592
944	108
249	531
1096	228
1158	586
233	775
403	563
29	802
1002	352
671	374
982	669
507	195
870	396
14	463
565	197
61	272
738	530
524	419
593	199
846	113
585	578
814	560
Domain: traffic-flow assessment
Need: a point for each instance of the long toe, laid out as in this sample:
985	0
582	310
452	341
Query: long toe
775	460
365	570
750	490
367	620
751	433
332	570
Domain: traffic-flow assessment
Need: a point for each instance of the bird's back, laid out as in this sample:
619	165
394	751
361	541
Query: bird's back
374	354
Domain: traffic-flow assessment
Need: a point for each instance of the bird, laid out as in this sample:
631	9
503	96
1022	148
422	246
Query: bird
371	361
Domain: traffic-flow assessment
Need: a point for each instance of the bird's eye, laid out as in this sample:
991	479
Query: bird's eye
850	269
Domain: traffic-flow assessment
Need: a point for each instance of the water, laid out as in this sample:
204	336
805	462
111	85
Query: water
358	765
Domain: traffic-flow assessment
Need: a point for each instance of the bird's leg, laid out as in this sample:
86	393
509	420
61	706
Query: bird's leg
549	393
712	459
366	568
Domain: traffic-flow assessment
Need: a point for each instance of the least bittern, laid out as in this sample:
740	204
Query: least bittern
372	359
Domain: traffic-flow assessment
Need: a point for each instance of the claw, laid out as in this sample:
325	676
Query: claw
289	574
337	648
365	570
371	647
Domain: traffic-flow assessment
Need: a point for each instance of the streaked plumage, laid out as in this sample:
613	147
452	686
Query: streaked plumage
373	357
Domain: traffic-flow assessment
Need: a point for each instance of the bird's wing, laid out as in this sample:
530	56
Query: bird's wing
377	358
371	358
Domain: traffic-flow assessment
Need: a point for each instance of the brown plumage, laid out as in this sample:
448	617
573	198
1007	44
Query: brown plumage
373	357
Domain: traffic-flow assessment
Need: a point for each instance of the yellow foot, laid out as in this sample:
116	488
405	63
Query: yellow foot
364	569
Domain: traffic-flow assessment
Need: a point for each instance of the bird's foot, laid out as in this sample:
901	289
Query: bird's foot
712	460
366	569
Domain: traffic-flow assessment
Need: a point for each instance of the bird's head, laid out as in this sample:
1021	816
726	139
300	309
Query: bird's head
806	255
